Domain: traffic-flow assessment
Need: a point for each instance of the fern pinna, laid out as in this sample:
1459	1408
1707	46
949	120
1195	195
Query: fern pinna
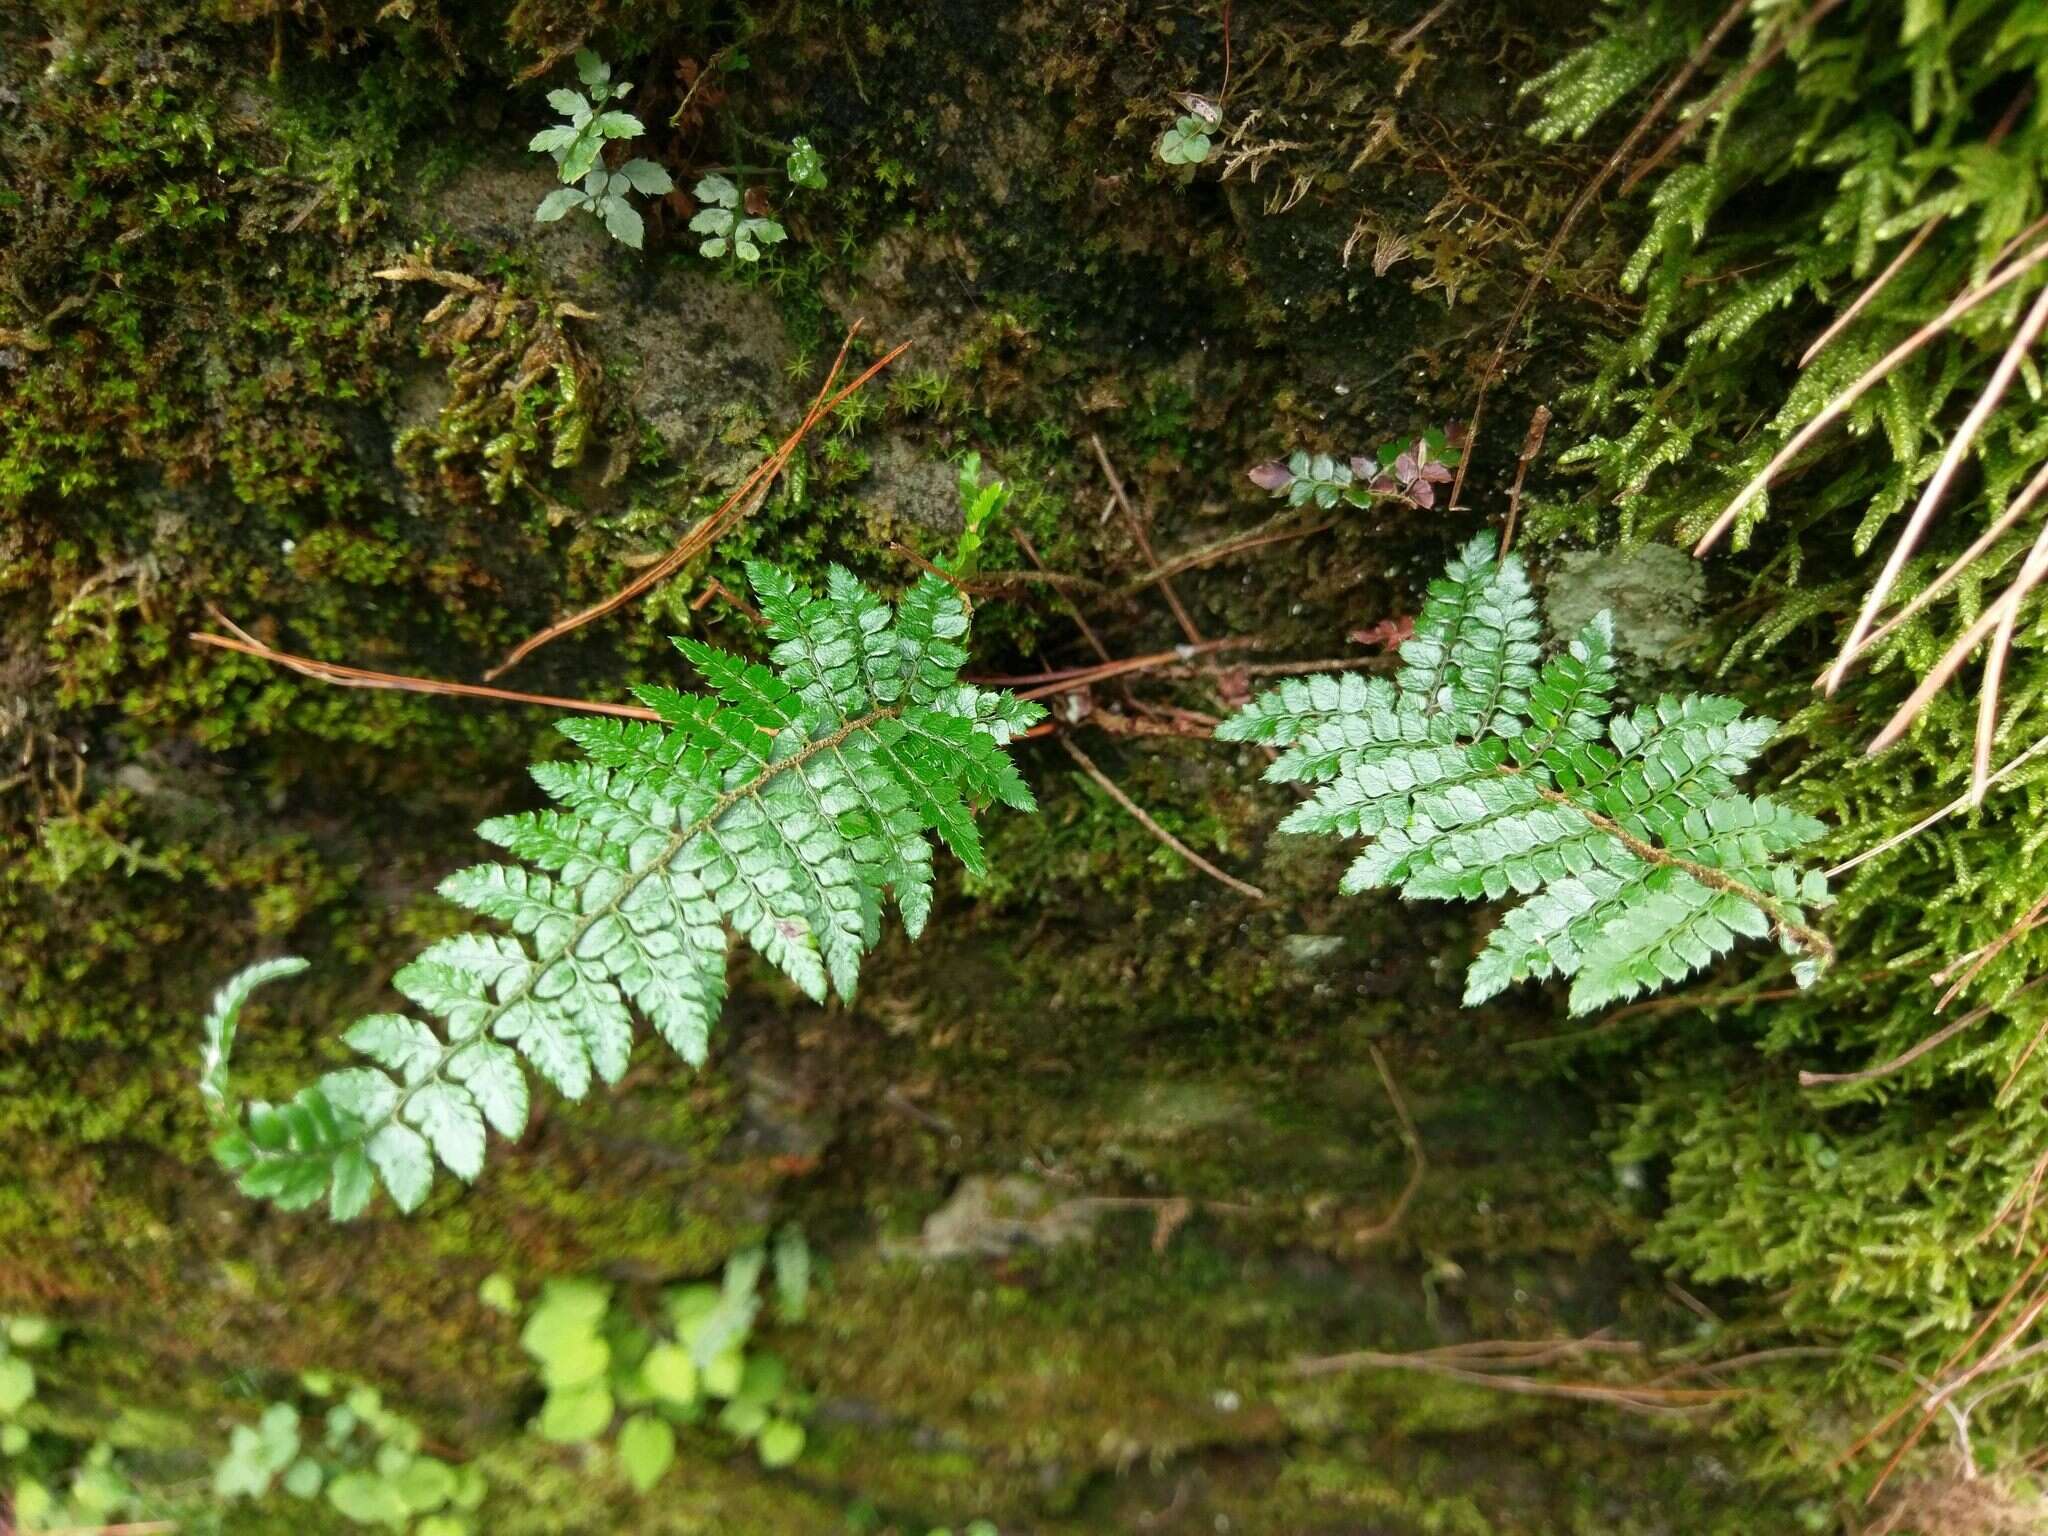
783	805
1477	774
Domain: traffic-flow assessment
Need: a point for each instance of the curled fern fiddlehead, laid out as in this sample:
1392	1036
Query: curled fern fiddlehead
1477	773
782	805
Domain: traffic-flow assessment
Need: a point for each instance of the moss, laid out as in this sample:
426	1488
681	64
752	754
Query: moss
238	414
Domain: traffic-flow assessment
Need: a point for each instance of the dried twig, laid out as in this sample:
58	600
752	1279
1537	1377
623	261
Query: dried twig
1116	487
1138	814
735	509
1063	679
1236	544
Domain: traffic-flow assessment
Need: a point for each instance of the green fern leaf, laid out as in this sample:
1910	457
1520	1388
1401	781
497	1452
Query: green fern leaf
784	806
1478	775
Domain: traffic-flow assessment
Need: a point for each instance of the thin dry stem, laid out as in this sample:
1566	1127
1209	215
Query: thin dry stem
1418	1161
1138	814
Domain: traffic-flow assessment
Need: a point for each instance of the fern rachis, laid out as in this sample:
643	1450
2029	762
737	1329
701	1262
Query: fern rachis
783	805
1477	773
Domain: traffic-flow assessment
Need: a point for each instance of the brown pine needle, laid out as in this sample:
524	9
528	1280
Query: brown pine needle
734	510
359	677
1953	658
2011	515
1138	814
1875	374
1952	457
2012	766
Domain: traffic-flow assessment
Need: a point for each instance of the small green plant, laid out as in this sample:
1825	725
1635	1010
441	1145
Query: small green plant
1475	774
1403	469
96	1494
577	146
1190	139
805	165
729	230
601	1366
365	1460
980	505
786	803
18	1335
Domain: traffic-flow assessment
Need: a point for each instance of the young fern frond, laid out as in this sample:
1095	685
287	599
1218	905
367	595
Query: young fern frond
782	806
1477	773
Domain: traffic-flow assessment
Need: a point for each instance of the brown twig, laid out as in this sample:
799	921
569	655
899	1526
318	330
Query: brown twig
359	677
1143	818
1418	1163
1484	1366
735	509
1532	445
1061	679
1673	89
1116	487
897	547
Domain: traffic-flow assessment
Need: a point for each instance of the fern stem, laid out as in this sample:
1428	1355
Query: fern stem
1813	942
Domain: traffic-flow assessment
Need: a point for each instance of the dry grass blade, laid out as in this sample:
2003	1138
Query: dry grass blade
1951	460
1875	374
735	509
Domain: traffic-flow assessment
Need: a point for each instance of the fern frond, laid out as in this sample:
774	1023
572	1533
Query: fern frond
783	806
1475	774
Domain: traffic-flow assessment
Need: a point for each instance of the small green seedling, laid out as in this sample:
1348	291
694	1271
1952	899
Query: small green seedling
730	230
578	149
1190	139
806	166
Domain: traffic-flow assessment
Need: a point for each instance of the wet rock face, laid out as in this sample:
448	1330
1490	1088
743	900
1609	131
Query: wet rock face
702	360
992	1216
1654	592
